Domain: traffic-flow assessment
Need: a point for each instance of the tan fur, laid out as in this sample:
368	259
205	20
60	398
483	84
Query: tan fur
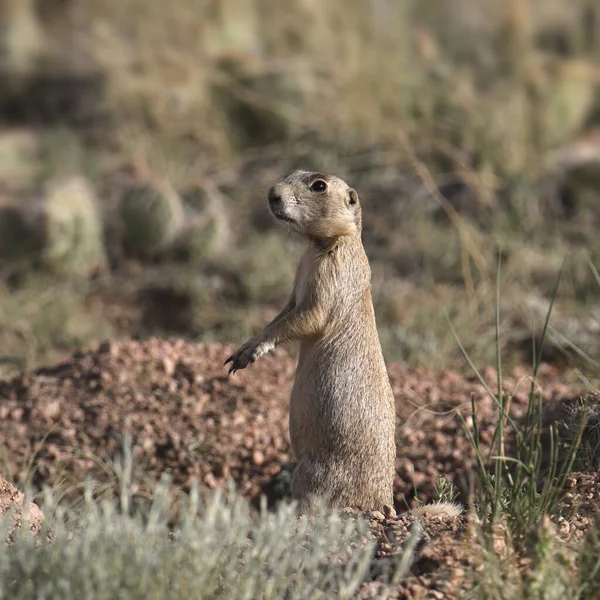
449	509
342	417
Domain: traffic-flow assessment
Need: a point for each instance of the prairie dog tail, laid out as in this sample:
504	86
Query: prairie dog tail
450	509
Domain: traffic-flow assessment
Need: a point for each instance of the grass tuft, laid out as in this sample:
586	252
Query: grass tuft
116	543
526	486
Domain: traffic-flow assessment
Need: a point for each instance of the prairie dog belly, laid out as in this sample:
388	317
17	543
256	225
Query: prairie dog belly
338	406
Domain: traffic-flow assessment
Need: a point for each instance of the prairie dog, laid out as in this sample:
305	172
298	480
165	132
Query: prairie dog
342	415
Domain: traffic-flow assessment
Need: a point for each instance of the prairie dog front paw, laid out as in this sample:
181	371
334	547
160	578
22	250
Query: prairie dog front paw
248	353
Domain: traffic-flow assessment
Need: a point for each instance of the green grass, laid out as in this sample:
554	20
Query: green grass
518	493
528	485
552	568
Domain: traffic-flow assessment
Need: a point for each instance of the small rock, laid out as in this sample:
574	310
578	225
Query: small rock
378	515
168	366
17	414
564	526
105	347
389	511
210	481
390	534
258	458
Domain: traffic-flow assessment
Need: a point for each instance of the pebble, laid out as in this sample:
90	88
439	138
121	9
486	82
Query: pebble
258	458
168	366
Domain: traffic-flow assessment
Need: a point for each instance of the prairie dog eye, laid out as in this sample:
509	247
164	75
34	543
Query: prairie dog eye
318	186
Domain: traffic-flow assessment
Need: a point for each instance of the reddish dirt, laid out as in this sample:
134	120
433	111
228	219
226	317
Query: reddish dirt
188	419
440	557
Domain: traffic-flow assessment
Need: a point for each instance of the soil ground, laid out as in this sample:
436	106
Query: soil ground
187	419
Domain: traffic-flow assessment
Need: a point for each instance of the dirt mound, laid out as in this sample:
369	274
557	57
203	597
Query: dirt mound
187	419
184	416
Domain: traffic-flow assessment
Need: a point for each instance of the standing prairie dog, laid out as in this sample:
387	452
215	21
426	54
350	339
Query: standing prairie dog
342	417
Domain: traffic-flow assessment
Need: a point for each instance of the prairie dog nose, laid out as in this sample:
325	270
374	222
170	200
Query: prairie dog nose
274	196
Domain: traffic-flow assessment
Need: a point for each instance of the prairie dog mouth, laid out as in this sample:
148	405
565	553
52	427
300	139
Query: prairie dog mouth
282	217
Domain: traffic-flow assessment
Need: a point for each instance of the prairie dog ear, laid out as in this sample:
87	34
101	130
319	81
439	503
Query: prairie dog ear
352	197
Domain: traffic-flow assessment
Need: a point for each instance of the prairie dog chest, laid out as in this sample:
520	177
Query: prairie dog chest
304	281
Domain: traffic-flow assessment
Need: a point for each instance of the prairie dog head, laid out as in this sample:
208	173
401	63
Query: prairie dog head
317	206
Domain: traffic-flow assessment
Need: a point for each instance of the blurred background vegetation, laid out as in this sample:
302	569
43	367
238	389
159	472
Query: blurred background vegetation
138	139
